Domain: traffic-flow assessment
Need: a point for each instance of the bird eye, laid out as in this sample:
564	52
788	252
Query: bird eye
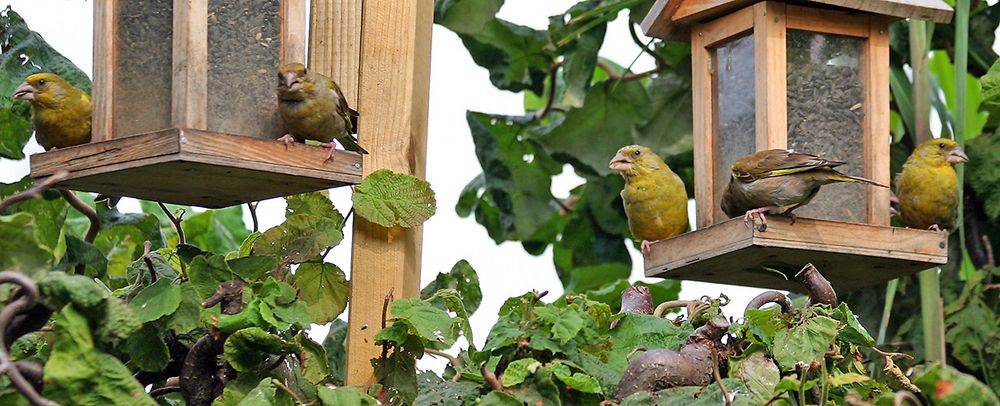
941	145
41	82
636	153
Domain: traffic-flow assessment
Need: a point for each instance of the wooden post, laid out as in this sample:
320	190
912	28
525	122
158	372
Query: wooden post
770	75
392	87
104	63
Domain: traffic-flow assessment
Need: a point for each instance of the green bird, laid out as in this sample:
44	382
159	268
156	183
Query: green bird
60	112
927	188
654	196
778	180
313	108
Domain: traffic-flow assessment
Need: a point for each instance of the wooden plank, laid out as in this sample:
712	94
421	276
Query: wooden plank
932	10
335	43
725	28
657	22
850	255
189	107
702	106
770	75
121	151
293	31
827	21
876	120
394	86
101	127
701	10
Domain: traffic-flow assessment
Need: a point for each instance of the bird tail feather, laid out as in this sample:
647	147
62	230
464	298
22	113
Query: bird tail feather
849	178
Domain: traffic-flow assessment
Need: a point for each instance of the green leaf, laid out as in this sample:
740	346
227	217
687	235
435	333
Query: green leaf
246	248
156	300
335	346
78	373
115	323
497	398
805	343
60	288
49	211
853	332
982	175
185	318
312	359
301	237
245	349
81	252
519	370
324	288
261	395
435	391
25	53
20	248
463	279
640	330
580	57
344	396
759	374
566	322
847	379
146	349
941	67
392	199
251	268
138	270
945	385
220	230
578	380
514	54
424	320
465	16
763	325
990	84
206	274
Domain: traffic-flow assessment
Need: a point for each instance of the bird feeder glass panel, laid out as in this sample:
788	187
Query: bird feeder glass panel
143	48
732	88
825	116
243	55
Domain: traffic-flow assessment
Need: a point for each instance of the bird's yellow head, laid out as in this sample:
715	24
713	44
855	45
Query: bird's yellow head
940	151
42	88
636	160
292	81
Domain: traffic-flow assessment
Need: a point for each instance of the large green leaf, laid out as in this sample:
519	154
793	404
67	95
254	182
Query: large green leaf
77	373
463	279
392	199
246	348
324	289
514	54
941	67
156	300
49	211
640	330
22	53
311	226
335	345
580	55
983	175
146	349
20	248
465	16
344	396
424	320
805	343
218	231
312	359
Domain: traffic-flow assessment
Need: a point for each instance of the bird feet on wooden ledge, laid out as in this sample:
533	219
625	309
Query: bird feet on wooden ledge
748	218
645	247
936	228
287	139
332	147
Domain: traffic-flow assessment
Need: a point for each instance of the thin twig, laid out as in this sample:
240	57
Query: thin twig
893	370
278	384
27	300
718	376
149	261
673	304
614	75
553	77
455	362
86	210
176	221
384	357
490	378
802	385
988	247
164	390
349	213
660	62
34	191
253	215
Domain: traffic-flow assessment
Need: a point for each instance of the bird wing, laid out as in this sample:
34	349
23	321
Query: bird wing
777	162
349	115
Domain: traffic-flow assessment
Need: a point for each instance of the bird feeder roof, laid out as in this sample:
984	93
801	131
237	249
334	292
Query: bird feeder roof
670	19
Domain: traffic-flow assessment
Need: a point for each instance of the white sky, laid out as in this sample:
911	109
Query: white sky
457	85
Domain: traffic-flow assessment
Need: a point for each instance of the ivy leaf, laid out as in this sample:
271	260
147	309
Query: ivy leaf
156	300
344	396
78	373
324	288
463	279
805	343
393	199
424	320
519	370
245	349
300	237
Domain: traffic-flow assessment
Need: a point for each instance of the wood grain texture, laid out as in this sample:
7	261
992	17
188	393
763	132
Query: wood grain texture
877	137
701	107
293	31
394	87
101	127
932	10
770	75
335	43
198	168
189	101
725	28
854	24
701	10
850	255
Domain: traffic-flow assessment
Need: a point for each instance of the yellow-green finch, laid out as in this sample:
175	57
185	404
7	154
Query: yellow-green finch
654	196
778	180
927	188
313	108
60	113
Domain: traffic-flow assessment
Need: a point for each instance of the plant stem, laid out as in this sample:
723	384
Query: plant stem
890	296
961	69
930	315
921	82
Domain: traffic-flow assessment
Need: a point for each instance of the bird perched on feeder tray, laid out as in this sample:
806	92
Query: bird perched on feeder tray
313	108
654	196
927	188
60	112
778	179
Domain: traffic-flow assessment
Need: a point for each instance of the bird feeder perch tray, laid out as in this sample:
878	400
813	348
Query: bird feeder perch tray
199	168
850	255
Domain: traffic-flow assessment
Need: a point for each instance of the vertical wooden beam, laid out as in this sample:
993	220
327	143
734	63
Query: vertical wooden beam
876	121
770	75
293	31
189	102
104	68
393	96
335	43
701	105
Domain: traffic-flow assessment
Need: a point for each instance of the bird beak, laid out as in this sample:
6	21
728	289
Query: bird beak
957	156
291	79
24	92
620	163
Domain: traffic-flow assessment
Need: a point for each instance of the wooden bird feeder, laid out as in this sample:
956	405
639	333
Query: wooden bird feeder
812	76
185	109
